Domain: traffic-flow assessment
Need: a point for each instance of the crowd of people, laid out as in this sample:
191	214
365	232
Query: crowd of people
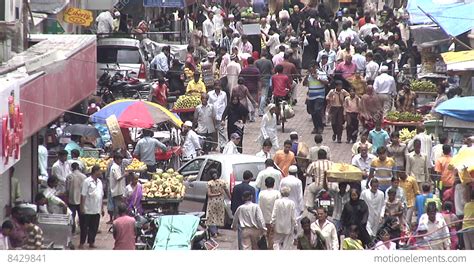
356	68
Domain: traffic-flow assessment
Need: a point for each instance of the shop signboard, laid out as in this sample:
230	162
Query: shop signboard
11	128
78	16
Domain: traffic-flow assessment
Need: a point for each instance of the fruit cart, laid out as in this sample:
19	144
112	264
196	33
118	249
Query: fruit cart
166	206
186	114
164	192
399	120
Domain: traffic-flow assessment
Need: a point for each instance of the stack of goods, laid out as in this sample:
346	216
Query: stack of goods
342	172
423	86
406	135
187	102
164	185
404	117
90	162
136	166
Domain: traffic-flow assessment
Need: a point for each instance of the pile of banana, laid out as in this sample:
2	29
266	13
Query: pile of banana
406	135
136	165
90	162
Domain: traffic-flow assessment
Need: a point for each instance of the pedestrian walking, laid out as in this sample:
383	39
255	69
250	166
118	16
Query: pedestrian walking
249	218
283	221
217	189
124	230
266	201
336	101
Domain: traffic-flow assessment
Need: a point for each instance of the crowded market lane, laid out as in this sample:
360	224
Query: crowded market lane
301	123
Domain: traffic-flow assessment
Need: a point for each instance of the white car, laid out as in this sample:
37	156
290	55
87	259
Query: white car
122	54
229	167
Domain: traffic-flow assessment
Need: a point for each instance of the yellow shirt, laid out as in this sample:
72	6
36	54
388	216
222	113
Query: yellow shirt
196	88
468	214
410	186
383	170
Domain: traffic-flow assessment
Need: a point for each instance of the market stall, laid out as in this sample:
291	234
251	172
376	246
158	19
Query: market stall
164	192
398	120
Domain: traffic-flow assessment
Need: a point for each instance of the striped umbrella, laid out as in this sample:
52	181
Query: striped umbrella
136	113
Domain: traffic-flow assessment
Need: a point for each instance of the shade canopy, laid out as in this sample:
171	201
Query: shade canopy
461	108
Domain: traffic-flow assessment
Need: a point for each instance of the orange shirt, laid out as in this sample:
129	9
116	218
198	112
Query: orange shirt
447	175
284	161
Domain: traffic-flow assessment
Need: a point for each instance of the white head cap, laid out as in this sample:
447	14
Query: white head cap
293	169
188	124
384	69
294	133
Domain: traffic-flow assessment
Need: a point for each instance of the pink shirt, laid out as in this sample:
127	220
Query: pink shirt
124	233
347	70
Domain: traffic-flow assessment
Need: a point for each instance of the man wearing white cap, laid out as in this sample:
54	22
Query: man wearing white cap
208	69
191	144
385	88
283	221
231	146
296	191
209	29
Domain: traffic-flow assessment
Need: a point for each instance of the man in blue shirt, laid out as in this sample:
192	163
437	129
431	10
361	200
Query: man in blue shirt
378	137
239	190
421	200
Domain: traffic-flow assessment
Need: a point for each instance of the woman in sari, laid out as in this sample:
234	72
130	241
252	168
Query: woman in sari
236	114
134	194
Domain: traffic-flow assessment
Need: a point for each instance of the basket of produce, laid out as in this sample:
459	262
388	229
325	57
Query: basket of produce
403	117
164	186
406	135
136	166
341	172
90	162
187	102
423	86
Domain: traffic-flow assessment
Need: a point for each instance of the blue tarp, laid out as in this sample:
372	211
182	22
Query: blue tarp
461	108
175	232
454	17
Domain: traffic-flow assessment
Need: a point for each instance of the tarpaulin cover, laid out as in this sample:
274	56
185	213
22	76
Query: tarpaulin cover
175	232
428	35
461	108
454	16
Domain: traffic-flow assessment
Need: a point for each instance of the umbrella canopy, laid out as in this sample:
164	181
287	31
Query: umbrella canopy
82	130
461	108
136	113
464	163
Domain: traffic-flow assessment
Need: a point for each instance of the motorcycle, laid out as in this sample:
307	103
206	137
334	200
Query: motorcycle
122	86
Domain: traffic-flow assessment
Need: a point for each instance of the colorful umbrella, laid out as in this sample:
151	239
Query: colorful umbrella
136	113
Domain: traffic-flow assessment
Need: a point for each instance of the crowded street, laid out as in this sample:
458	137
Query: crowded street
237	125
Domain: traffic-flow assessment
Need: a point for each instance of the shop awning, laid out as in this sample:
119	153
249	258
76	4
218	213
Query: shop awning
48	6
459	61
428	35
453	16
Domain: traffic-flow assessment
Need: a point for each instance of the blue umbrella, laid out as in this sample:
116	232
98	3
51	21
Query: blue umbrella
461	108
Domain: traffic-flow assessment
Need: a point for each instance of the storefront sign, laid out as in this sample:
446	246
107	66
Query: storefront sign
78	16
116	136
11	127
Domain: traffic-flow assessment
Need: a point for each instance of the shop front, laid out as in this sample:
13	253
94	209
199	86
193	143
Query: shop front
51	77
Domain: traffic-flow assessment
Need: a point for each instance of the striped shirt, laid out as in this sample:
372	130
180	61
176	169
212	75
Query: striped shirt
316	171
316	89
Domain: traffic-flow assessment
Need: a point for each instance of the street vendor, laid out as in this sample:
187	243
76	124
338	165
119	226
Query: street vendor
145	150
191	143
406	99
196	87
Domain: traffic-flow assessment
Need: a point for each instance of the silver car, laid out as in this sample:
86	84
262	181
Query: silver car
196	173
122	54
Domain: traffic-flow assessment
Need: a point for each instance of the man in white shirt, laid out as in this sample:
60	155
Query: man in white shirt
105	22
205	121
417	164
385	87
269	171
218	99
348	32
266	150
283	221
372	68
92	193
249	218
42	157
160	62
61	169
231	146
278	58
331	54
209	29
191	144
375	200
426	142
75	159
326	228
117	182
359	60
55	204
296	189
73	189
313	151
366	30
273	42
266	201
438	231
363	159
